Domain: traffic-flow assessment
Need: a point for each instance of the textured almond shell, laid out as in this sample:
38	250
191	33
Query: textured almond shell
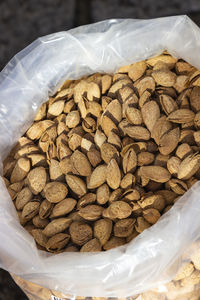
98	177
76	184
81	163
64	207
56	226
80	233
91	212
189	166
113	174
91	246
55	191
155	173
169	141
37	179
102	230
118	209
150	114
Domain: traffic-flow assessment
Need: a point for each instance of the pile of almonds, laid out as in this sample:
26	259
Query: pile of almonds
108	155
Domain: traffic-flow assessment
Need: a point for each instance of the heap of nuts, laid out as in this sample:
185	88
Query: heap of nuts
107	155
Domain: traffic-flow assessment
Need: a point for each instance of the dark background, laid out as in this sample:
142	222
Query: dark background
22	21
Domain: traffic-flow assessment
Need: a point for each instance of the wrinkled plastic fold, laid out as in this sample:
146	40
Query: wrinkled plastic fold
34	74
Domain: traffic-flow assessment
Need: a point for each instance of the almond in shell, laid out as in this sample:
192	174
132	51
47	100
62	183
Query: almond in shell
81	163
21	169
169	141
177	186
151	215
113	174
98	177
103	194
154	201
124	228
56	226
91	212
108	151
173	165
23	197
145	158
118	209
39	237
168	104
155	173
86	199
39	223
150	114
91	246
102	230
136	70
57	242
137	132
45	209
37	179
76	184
80	233
133	115
189	166
164	77
129	161
64	207
182	115
55	191
30	210
141	224
146	83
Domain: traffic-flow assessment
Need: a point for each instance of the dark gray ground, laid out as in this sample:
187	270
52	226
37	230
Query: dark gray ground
22	21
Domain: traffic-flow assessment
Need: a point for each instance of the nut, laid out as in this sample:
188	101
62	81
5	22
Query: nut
107	156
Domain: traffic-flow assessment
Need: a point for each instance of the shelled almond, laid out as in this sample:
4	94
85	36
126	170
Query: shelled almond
107	156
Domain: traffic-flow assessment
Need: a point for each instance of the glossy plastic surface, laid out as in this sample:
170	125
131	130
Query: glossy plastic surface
30	77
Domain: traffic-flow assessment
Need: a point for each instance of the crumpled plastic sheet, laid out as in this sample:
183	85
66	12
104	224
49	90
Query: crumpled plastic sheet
153	257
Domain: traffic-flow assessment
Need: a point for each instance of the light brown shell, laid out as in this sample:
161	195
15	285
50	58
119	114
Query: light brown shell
23	197
37	180
129	162
136	70
181	116
150	114
91	246
76	184
108	151
21	169
81	163
113	174
86	199
64	207
91	212
124	228
189	166
151	215
103	194
57	242
118	209
98	177
55	191
56	226
102	230
169	141
155	173
80	233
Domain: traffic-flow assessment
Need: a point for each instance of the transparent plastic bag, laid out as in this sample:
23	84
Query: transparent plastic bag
151	259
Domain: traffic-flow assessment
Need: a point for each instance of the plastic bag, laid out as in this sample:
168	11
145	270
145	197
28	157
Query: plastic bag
151	259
